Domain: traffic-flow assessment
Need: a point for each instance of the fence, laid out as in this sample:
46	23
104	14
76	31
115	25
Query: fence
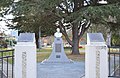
6	63
114	61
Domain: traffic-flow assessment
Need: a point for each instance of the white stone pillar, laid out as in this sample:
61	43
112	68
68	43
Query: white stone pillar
25	56
96	58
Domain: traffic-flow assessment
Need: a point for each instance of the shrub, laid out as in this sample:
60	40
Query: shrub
116	39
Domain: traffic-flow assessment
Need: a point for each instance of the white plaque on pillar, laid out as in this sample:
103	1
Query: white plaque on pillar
25	56
96	58
95	38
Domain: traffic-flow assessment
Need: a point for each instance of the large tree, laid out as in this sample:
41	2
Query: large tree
75	15
5	7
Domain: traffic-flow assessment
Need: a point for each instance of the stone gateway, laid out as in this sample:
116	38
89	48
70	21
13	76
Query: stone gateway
25	56
96	57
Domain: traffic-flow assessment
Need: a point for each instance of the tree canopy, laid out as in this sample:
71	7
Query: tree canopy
5	6
74	15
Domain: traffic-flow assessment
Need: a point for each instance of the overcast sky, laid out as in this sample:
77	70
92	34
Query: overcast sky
3	26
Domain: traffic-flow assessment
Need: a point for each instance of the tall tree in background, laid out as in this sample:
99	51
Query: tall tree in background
5	9
5	6
65	14
74	15
77	15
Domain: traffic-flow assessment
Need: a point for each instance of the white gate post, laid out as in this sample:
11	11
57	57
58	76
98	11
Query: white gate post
25	56
96	58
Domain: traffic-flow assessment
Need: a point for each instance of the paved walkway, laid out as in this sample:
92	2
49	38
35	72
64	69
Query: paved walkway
71	70
74	70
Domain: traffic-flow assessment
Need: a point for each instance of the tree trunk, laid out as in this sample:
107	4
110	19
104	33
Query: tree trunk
75	47
37	37
75	40
108	40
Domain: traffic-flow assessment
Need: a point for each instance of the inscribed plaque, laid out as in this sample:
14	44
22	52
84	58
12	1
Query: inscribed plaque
96	37
24	63
26	37
57	56
57	47
97	64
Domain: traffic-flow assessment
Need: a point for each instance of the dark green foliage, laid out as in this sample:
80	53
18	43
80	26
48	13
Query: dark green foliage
5	7
31	15
116	39
5	3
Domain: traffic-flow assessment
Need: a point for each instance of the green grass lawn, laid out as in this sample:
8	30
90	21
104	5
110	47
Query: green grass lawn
44	53
50	50
5	55
43	56
44	50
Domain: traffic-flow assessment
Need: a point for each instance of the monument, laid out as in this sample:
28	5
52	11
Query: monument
96	57
25	56
58	55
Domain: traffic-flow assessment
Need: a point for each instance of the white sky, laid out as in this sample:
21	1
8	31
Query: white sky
3	26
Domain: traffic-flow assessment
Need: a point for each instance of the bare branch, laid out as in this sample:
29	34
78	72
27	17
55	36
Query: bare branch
83	28
63	9
79	26
87	2
63	30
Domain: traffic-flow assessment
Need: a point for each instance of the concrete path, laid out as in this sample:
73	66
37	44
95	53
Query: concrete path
71	70
74	70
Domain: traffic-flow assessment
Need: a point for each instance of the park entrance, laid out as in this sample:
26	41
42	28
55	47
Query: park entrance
7	65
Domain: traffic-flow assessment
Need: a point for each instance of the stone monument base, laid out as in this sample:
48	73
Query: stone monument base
56	61
58	55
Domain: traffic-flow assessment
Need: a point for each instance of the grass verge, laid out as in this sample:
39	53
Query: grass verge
44	53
